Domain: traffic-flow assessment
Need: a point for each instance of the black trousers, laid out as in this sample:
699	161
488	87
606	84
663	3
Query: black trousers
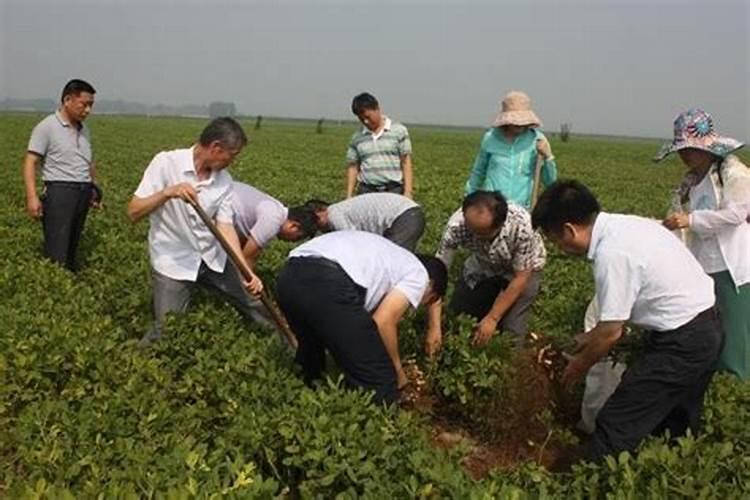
478	301
325	309
64	209
407	228
662	390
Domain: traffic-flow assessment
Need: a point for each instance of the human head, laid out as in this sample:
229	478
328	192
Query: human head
696	159
77	99
485	213
221	141
319	209
566	213
299	224
367	109
438	275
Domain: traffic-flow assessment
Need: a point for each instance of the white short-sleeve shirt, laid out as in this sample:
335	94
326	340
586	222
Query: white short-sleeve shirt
372	262
65	149
645	275
178	239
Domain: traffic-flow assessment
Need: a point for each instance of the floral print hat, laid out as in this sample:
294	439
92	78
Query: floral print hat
695	129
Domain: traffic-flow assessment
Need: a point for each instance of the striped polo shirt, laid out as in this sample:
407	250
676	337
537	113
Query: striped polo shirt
379	155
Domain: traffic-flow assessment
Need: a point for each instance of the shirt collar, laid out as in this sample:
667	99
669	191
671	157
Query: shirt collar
61	118
386	126
597	232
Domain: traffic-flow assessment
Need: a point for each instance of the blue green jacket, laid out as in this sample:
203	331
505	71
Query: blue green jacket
509	167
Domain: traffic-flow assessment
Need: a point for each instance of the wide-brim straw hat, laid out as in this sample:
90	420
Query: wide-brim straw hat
694	128
515	109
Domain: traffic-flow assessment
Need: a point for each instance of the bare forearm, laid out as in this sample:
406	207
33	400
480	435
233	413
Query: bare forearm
139	208
92	171
509	296
389	335
351	179
598	343
29	175
408	171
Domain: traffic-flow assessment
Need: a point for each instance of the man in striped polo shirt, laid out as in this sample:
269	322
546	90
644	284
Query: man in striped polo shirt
379	155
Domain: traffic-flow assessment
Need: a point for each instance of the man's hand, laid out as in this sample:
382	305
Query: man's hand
254	286
34	207
484	331
433	341
543	148
574	372
401	380
678	220
185	191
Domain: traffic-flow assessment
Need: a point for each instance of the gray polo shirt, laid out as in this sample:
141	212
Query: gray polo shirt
64	148
371	212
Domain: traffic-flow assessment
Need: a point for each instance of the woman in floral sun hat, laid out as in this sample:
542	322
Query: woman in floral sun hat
508	153
715	196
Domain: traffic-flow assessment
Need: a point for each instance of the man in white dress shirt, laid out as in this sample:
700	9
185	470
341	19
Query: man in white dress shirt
646	276
182	249
346	292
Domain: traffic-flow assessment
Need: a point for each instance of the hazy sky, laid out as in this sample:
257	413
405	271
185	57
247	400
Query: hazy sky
607	66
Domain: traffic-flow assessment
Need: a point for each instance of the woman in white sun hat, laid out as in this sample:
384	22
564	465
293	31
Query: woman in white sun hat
715	200
508	153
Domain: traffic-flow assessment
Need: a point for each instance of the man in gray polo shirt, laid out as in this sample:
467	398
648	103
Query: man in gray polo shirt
62	143
393	216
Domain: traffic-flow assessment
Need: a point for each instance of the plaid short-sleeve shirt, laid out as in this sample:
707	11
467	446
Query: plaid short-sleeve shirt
516	248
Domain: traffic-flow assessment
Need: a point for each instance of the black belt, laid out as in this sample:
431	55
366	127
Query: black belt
382	187
69	184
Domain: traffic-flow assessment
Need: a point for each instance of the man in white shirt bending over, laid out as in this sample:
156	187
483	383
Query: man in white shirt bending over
646	276
346	292
182	249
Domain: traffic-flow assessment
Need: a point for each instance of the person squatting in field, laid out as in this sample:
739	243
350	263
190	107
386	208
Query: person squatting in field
501	277
714	198
508	153
62	143
393	216
182	249
259	218
346	292
379	155
645	276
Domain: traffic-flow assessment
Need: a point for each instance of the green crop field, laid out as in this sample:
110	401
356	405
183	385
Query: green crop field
217	408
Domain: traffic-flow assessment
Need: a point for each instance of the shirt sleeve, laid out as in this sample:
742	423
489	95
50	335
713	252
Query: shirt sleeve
413	284
404	143
478	170
225	212
618	284
352	156
525	245
153	179
39	141
268	223
452	238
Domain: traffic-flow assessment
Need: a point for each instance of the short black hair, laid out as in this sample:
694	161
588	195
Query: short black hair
316	205
226	130
364	101
305	217
564	202
437	272
75	87
491	200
